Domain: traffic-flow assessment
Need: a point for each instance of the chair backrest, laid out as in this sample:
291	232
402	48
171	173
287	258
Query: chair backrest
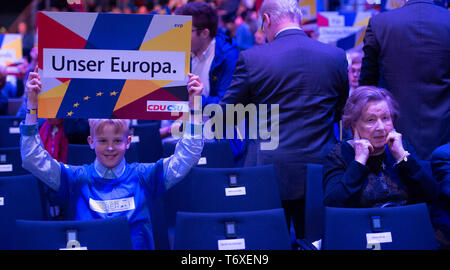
393	228
11	162
79	154
253	230
215	154
20	198
148	141
9	131
314	208
97	234
224	190
14	105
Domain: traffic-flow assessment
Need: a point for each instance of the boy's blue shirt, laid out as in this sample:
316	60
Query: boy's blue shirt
91	196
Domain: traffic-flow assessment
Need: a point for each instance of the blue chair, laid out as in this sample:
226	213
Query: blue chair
215	154
252	230
224	190
97	234
11	162
9	131
314	208
79	154
148	141
392	228
219	190
20	198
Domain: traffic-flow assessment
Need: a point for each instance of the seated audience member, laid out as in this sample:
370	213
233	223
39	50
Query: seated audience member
7	87
376	168
260	37
31	67
17	73
440	164
54	139
88	188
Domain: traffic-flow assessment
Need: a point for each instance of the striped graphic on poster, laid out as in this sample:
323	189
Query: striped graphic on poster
105	65
344	29
10	48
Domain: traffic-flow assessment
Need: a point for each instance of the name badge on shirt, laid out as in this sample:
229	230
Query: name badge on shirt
112	206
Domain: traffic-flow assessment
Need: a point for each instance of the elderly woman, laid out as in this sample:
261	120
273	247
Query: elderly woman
376	168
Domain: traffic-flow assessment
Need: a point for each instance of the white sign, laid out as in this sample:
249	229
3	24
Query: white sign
236	191
7	55
6	168
114	64
374	238
112	206
231	244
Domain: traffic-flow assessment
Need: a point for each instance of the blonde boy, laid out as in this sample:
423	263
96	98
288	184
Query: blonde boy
108	187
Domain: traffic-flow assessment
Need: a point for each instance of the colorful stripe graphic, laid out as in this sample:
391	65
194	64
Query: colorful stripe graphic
10	48
344	29
117	35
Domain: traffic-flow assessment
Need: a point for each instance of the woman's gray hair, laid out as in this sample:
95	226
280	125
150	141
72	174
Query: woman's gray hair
281	9
359	99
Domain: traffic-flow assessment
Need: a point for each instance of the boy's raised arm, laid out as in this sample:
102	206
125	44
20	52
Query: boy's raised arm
189	148
35	158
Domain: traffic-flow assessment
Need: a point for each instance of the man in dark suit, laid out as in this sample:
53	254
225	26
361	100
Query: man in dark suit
407	51
309	81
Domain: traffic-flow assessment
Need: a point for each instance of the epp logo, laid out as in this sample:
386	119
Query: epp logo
178	25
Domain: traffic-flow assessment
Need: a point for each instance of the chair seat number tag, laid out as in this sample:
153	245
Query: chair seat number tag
231	244
202	161
375	238
236	191
6	168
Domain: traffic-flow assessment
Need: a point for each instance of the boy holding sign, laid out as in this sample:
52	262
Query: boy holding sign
109	187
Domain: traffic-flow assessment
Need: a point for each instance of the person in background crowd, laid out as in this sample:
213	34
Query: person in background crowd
27	39
354	68
309	81
245	31
377	168
3	98
32	66
407	51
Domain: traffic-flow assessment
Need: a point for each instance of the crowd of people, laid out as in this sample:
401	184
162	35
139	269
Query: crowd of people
390	99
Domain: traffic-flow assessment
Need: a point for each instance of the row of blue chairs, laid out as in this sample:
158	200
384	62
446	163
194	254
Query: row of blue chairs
236	208
147	147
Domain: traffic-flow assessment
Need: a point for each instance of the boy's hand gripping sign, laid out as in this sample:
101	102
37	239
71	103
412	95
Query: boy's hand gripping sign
104	65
